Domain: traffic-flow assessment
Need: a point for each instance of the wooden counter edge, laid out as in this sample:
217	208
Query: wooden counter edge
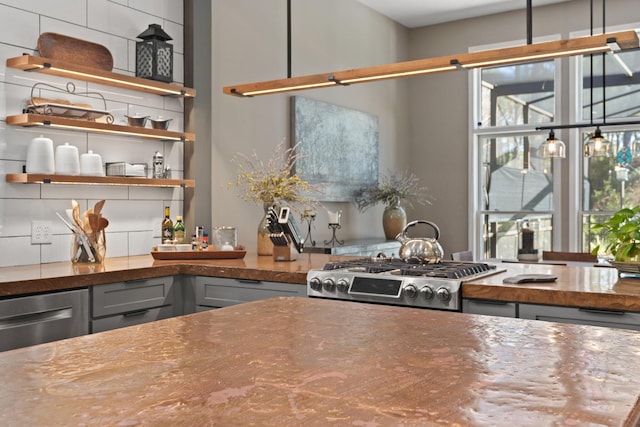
529	295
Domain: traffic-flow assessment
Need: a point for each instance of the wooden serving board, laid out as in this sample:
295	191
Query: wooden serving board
198	254
74	51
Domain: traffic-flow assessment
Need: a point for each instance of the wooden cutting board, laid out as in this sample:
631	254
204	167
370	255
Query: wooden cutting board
74	51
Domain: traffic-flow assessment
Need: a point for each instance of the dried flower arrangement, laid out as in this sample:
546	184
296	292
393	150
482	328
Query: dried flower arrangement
392	190
273	181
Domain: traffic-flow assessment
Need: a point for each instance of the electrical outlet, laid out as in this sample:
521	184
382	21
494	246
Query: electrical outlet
41	232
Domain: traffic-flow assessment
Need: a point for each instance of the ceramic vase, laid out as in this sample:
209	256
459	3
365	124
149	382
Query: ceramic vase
394	219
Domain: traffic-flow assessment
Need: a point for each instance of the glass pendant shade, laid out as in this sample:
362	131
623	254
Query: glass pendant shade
597	145
553	147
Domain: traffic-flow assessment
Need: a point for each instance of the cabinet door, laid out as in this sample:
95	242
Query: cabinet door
116	305
581	316
223	292
43	318
490	308
131	296
131	318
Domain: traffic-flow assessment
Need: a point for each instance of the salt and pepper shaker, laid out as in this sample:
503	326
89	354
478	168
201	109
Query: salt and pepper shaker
158	165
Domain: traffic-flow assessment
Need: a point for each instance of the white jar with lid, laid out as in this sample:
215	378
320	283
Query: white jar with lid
67	160
91	164
40	156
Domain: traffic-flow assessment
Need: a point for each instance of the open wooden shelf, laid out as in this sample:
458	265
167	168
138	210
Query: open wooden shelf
75	71
34	178
29	120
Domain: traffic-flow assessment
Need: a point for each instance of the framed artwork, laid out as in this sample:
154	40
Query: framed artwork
339	147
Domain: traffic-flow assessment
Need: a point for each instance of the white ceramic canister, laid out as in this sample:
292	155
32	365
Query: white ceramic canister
91	164
40	156
67	160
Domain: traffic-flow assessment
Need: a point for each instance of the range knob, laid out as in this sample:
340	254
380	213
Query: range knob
343	285
410	291
443	294
329	285
426	292
315	284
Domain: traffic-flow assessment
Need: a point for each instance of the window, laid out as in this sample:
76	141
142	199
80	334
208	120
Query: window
516	184
517	94
516	188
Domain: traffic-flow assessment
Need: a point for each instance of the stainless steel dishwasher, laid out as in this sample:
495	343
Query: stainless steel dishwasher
41	318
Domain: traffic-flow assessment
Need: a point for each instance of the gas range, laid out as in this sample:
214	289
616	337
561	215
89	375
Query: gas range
393	281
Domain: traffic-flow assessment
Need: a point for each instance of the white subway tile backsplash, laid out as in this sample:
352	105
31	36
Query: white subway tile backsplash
141	243
17	215
134	213
18	251
59	250
83	192
155	193
114	148
176	33
19	27
168	9
117	244
15	191
66	10
114	42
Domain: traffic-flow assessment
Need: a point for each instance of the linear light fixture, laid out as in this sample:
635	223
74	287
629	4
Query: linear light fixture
513	55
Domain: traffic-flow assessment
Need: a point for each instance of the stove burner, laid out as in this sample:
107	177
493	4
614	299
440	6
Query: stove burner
396	266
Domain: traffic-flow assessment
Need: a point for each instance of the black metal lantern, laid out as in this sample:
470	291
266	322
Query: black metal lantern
154	56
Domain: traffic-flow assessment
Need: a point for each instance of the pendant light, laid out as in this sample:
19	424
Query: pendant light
597	145
552	147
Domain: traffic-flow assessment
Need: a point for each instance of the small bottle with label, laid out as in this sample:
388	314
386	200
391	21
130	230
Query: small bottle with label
167	226
178	230
205	241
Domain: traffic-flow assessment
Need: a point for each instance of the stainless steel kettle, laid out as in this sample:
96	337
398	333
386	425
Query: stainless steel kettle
420	249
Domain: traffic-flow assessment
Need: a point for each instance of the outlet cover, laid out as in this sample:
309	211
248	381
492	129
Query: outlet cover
41	232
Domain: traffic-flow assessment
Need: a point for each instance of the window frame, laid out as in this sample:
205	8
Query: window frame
477	133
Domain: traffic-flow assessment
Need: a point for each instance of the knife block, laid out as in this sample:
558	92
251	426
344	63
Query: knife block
285	253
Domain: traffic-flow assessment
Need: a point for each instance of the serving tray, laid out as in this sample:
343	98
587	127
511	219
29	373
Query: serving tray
75	51
198	254
72	111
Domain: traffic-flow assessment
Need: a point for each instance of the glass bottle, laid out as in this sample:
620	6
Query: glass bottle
178	230
167	226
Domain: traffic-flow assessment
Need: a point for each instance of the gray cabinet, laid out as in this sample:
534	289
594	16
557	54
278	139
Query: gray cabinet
41	318
215	292
490	308
116	305
581	316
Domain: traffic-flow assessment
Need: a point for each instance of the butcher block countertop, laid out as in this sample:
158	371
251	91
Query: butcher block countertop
65	275
577	286
314	362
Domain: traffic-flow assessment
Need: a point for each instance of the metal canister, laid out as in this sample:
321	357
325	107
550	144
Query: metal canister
158	165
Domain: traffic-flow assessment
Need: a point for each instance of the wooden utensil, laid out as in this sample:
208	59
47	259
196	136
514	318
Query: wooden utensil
75	211
97	208
74	51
